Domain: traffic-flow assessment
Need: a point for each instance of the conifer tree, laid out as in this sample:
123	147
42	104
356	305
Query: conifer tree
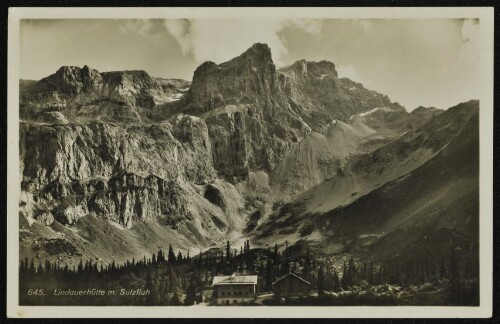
269	275
370	273
442	271
454	276
336	279
345	279
228	251
171	255
149	286
190	293
321	280
175	297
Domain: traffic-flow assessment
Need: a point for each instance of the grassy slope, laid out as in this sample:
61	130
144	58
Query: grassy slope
428	210
419	192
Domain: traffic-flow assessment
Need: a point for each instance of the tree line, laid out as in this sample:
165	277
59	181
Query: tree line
174	279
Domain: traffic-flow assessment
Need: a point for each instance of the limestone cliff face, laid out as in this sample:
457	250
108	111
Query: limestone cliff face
248	78
69	152
255	114
124	198
250	121
197	159
116	172
72	86
315	89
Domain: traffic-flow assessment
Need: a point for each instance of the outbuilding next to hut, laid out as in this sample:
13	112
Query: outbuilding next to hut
234	289
291	285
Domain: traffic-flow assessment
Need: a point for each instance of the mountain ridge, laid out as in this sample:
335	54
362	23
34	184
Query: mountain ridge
192	164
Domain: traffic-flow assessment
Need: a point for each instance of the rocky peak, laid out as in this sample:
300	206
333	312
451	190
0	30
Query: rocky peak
244	79
307	69
257	55
72	86
69	80
133	76
422	109
322	68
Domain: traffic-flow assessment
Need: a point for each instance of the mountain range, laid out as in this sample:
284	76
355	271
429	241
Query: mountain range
115	165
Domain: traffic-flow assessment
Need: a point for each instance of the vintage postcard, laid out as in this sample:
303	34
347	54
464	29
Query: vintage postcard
192	162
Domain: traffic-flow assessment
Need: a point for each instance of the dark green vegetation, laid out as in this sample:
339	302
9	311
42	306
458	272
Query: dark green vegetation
169	279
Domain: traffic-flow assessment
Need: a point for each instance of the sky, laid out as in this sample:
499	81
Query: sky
416	62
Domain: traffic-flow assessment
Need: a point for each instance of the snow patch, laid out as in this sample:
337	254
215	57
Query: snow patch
374	110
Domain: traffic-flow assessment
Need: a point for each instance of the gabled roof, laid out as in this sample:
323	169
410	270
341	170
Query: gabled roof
234	280
292	275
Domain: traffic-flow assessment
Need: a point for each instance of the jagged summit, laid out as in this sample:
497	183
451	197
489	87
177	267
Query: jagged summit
72	86
420	109
257	54
242	79
319	69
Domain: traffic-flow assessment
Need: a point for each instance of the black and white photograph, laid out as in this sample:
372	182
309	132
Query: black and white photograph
251	160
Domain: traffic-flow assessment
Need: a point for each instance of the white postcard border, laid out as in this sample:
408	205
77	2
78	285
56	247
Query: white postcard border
485	15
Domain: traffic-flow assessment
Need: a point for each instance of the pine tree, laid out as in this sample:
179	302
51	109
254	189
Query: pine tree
190	294
442	271
171	255
370	274
269	275
149	286
345	279
336	279
321	280
276	253
173	280
80	266
241	264
175	298
32	266
166	294
228	251
161	257
455	288
352	272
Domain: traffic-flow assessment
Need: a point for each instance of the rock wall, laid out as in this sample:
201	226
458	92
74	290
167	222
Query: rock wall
127	147
72	86
115	172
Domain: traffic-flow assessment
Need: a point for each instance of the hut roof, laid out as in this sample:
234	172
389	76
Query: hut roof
234	280
291	275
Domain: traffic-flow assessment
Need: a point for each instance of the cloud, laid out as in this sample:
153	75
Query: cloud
148	28
180	29
310	26
223	39
350	72
470	40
